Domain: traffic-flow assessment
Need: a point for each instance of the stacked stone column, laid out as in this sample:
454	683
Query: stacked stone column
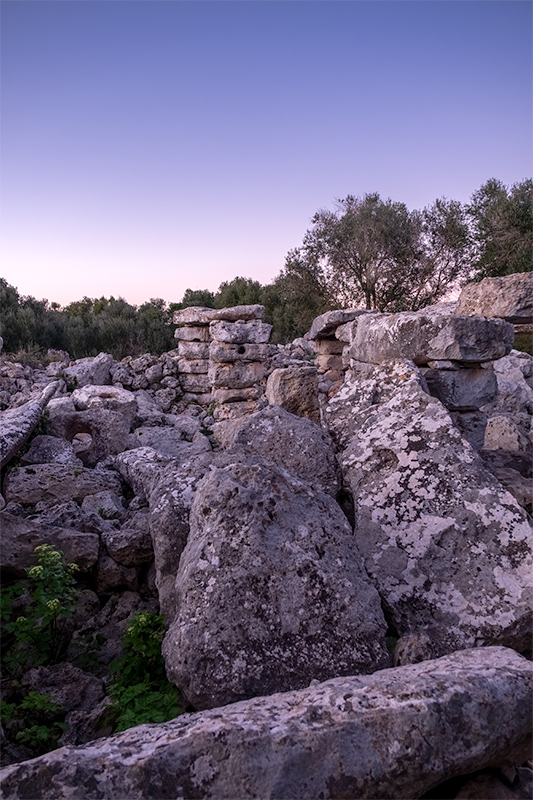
238	351
193	352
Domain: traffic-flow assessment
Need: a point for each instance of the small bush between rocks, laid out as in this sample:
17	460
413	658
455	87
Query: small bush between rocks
141	692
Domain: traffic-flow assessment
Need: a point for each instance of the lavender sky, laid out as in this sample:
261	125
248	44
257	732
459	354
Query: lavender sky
150	146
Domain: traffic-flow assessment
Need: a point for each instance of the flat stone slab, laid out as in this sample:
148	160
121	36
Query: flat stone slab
394	734
324	326
423	337
509	297
17	424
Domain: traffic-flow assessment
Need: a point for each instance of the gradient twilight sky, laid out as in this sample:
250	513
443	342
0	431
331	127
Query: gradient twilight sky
153	145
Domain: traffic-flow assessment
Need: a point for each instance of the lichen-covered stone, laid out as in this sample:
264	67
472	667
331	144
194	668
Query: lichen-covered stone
17	424
57	482
427	335
394	734
448	548
253	332
509	297
271	591
296	390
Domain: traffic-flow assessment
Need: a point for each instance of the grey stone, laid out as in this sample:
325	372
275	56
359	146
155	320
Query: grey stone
111	576
154	373
107	504
271	591
227	353
448	548
57	482
195	383
193	350
471	425
235	376
424	336
17	424
192	334
21	536
167	441
108	430
329	346
68	686
236	395
197	366
95	370
130	546
293	443
194	315
509	297
394	734
148	411
296	390
51	450
239	313
142	363
253	332
111	398
325	325
462	389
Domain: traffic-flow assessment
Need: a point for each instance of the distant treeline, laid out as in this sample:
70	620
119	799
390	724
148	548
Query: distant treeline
368	252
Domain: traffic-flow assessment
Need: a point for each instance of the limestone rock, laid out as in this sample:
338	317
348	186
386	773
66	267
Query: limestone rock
448	548
106	504
509	297
51	450
109	397
394	734
238	375
325	325
197	333
296	390
95	370
239	313
226	353
424	336
130	546
294	444
462	389
68	686
197	366
57	482
21	536
254	332
191	382
271	591
194	315
167	441
111	576
17	424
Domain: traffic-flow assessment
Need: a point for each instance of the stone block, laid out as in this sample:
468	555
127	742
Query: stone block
326	362
253	332
199	333
296	390
194	315
195	383
235	376
197	366
325	325
193	350
462	389
328	346
239	313
226	353
237	395
509	297
423	337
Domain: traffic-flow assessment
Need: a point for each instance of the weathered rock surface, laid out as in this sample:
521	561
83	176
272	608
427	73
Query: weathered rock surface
448	548
296	390
21	536
46	449
294	444
17	424
253	332
95	370
424	336
462	389
110	397
57	482
325	325
271	591
509	297
394	734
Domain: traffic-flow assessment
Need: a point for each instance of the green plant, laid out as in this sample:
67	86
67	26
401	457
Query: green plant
35	720
39	636
141	692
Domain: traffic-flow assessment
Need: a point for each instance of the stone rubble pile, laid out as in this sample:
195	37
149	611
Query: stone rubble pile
296	512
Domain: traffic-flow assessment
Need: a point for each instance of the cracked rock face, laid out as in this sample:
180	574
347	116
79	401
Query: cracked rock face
395	734
447	547
271	591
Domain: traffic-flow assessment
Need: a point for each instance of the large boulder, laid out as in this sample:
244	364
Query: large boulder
509	297
271	591
429	335
96	370
293	443
394	734
57	483
295	388
448	548
21	536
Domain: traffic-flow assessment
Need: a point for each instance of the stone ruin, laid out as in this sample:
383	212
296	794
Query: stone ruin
291	509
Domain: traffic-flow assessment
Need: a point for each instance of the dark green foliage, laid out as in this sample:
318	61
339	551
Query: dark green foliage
502	221
141	692
33	720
